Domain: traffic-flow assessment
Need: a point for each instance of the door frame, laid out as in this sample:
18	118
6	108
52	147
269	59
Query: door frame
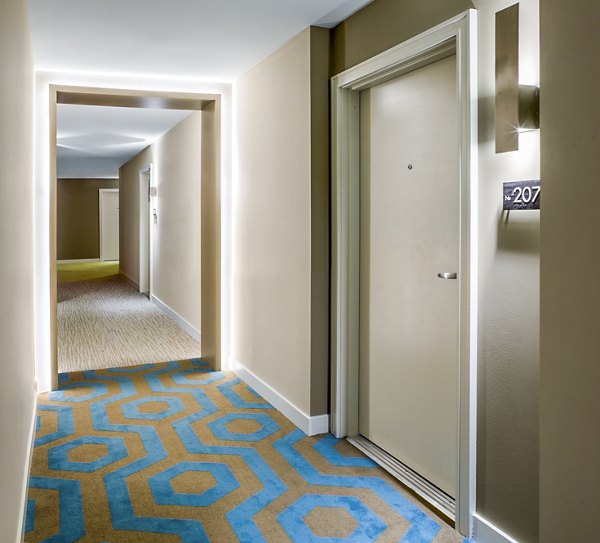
145	231
100	193
457	35
211	152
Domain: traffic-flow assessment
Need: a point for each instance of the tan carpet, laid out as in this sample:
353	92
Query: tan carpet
107	323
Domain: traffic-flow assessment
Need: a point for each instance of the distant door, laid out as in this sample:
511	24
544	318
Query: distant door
109	224
408	374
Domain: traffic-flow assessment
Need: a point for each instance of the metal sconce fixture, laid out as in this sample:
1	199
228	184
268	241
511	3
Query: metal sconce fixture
517	106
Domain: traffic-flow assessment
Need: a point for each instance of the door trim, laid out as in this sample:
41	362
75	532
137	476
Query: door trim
100	193
145	232
458	35
212	150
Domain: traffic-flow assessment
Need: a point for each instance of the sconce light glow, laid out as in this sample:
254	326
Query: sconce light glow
516	105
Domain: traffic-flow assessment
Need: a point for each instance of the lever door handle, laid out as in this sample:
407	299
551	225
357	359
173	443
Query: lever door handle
447	275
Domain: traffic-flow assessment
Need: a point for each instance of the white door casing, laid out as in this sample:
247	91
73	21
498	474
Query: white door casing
458	36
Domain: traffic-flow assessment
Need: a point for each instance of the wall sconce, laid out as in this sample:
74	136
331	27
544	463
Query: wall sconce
517	106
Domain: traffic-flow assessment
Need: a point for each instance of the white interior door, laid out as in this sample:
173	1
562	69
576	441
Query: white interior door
409	317
109	224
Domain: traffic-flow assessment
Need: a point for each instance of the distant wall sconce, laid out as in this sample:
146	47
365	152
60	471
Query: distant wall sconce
517	106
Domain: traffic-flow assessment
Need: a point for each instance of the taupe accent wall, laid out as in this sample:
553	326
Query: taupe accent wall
176	171
77	221
17	401
319	216
570	264
385	23
281	224
210	235
129	214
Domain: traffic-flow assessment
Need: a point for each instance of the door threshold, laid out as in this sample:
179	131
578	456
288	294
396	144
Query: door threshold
431	494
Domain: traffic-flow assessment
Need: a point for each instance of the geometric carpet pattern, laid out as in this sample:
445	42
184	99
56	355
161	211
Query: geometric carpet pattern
175	452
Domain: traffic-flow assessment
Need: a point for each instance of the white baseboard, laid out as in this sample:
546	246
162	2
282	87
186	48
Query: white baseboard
78	261
23	509
131	280
309	425
485	532
191	330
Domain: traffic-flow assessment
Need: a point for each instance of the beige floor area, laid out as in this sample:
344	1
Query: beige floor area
105	323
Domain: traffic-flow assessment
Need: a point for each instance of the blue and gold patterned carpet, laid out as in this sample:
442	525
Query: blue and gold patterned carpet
175	452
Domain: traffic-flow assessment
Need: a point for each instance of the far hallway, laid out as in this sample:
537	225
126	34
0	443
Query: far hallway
103	321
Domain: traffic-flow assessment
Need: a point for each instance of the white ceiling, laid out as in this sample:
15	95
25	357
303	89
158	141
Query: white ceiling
94	141
216	40
212	39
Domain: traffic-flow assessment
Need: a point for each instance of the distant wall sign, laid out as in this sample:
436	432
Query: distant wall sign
521	195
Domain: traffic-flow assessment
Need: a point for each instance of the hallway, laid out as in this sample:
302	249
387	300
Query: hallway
276	164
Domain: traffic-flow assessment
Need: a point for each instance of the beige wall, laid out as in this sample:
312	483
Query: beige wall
17	401
385	23
129	214
319	217
78	233
279	204
176	168
570	260
176	234
507	448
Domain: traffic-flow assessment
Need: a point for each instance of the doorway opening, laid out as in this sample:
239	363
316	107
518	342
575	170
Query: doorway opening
208	182
359	267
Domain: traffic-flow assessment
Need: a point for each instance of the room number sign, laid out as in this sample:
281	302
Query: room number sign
518	195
